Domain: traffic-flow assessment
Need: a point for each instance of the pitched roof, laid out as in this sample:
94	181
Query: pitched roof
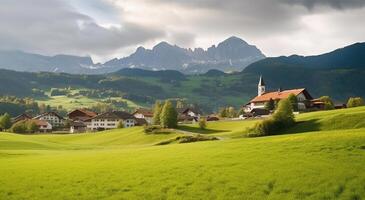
86	112
277	95
141	122
48	113
36	121
144	111
115	115
21	117
40	122
186	110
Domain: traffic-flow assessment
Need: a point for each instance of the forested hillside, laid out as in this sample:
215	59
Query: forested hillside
338	74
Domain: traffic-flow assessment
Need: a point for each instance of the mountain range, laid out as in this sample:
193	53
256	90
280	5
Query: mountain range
233	54
339	74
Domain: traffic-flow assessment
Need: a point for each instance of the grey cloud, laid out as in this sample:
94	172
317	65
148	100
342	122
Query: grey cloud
337	4
55	27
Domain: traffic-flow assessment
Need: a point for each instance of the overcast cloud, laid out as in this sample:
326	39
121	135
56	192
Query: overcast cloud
114	28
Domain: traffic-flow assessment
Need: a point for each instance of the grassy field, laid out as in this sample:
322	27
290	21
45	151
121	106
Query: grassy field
327	163
79	101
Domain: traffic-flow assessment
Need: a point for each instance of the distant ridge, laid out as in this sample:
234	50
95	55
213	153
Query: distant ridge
233	54
349	57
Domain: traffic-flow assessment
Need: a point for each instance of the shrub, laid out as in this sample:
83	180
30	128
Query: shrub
150	129
120	124
31	127
355	102
293	101
202	123
328	103
262	128
282	118
270	105
5	121
19	127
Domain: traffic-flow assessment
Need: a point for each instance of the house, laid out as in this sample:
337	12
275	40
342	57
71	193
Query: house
52	117
141	122
77	127
263	97
81	115
80	119
212	118
21	117
43	125
142	113
189	114
110	120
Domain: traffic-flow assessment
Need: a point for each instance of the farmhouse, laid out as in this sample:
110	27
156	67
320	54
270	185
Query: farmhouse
263	97
52	117
21	117
110	120
77	127
43	125
143	113
81	115
189	114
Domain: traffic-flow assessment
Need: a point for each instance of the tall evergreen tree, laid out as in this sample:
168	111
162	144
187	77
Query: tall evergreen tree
157	113
168	118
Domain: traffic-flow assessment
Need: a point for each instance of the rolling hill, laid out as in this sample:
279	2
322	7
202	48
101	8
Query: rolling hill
126	164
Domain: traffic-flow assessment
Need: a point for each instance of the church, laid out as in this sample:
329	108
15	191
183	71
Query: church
262	97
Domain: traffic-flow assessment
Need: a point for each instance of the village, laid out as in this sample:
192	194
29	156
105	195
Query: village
84	120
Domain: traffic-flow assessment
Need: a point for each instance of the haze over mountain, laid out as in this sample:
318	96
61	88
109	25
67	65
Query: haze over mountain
233	54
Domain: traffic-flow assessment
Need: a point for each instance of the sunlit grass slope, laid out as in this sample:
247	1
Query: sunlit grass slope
107	139
223	129
126	163
319	165
350	118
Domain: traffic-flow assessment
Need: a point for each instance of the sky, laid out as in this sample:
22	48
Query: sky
105	29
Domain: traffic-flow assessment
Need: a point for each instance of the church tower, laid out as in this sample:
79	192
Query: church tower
261	87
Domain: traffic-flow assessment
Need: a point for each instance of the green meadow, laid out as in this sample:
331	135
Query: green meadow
322	157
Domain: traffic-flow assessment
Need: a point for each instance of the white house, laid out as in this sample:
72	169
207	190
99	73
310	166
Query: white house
189	114
43	125
52	117
263	97
142	113
110	120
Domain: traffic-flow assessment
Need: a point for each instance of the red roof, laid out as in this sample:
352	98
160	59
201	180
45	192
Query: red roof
36	121
278	95
144	112
86	112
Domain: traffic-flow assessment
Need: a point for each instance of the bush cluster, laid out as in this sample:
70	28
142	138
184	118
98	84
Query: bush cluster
202	123
355	102
282	118
26	126
151	129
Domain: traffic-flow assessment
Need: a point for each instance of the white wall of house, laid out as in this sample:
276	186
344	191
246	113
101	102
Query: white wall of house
46	128
141	116
52	119
109	123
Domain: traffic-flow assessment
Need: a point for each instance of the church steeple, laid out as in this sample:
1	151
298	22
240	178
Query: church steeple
261	87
